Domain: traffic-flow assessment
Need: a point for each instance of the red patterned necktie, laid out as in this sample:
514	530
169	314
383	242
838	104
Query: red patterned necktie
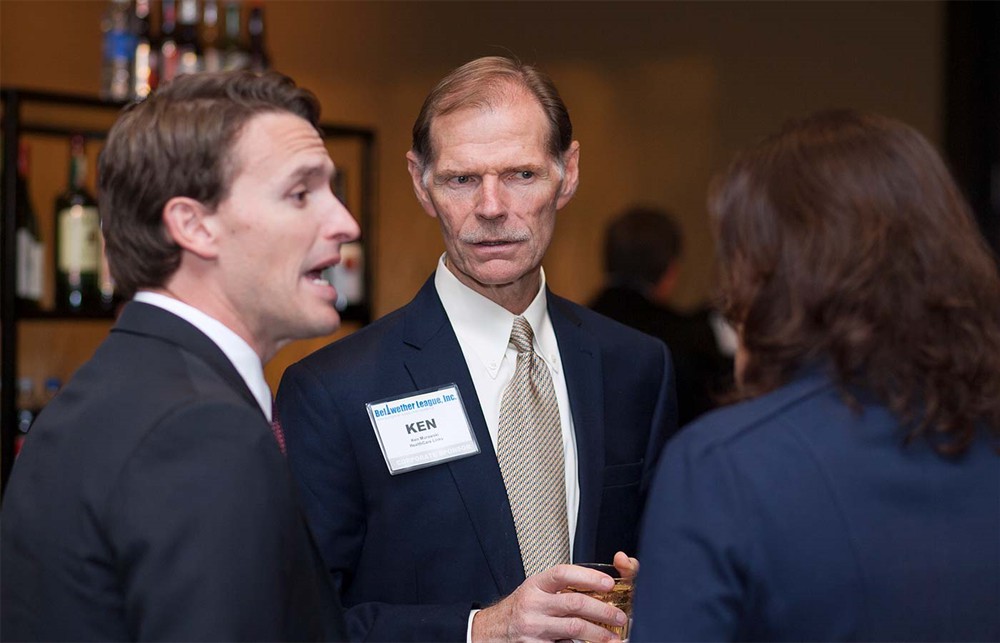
276	429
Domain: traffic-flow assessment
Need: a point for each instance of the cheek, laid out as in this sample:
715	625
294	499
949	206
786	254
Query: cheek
452	218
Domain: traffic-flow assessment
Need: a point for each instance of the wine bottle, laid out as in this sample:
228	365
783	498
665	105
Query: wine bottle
259	60
105	282
28	272
144	66
77	239
119	49
211	54
169	57
348	276
27	404
188	47
234	54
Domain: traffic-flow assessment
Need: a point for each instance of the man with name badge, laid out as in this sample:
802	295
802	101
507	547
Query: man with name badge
457	454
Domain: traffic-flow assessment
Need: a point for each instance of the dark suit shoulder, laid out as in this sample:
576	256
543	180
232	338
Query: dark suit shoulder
361	354
358	355
730	424
361	340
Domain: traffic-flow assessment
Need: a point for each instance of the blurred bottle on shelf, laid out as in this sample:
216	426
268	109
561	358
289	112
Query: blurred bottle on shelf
169	56
259	59
49	391
77	239
234	54
188	47
145	66
106	283
118	51
27	410
30	404
210	38
348	276
192	36
29	266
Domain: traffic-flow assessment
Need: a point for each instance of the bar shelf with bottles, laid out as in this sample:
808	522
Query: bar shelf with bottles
149	42
54	339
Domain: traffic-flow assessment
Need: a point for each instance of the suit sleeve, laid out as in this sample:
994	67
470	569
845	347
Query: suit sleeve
207	533
665	420
693	550
326	469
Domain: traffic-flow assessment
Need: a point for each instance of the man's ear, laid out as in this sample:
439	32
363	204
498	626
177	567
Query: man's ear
667	282
416	169
571	174
192	226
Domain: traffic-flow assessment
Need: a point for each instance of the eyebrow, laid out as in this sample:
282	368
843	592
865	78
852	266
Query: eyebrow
520	167
305	172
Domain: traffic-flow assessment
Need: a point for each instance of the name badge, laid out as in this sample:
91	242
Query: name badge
424	429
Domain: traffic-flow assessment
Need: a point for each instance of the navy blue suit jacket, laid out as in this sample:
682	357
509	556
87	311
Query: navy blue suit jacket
412	554
793	517
151	502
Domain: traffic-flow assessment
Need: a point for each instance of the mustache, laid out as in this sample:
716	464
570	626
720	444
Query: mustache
494	234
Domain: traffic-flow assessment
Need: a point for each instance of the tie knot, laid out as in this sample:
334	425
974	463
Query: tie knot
521	335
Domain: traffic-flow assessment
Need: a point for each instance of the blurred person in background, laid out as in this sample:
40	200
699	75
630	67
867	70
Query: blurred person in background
855	495
152	500
642	260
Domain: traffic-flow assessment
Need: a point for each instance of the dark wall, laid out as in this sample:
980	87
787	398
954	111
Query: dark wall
972	108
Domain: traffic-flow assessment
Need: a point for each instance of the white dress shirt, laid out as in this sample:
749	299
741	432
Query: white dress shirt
244	359
483	331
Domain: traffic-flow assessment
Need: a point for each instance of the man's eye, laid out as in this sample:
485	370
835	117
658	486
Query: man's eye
526	174
300	196
462	179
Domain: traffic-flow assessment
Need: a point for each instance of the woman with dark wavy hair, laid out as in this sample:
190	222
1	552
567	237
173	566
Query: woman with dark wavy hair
855	493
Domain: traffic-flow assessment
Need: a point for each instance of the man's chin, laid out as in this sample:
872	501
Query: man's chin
322	322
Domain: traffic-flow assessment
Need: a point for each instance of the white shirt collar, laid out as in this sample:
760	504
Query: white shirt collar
485	326
243	357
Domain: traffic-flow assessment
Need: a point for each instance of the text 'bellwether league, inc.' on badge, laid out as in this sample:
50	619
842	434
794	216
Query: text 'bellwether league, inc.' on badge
423	429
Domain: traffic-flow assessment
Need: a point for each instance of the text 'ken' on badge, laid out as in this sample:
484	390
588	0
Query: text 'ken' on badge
423	429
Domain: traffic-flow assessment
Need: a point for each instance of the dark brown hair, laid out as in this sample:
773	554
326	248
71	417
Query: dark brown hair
640	244
843	239
178	142
482	83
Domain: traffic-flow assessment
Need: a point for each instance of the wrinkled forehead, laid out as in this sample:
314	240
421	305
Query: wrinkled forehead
459	121
513	125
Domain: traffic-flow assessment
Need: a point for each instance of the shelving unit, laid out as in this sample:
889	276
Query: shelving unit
46	115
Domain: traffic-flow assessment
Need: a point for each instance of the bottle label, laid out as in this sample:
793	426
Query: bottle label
29	266
79	239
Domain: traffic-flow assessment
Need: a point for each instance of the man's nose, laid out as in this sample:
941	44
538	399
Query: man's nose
491	198
341	224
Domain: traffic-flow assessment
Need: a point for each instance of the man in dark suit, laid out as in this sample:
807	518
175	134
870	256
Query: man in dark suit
426	522
151	500
642	260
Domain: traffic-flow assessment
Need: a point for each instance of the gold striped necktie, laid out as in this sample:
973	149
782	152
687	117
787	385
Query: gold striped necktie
530	453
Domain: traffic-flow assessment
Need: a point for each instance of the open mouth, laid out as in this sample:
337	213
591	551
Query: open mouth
316	277
316	274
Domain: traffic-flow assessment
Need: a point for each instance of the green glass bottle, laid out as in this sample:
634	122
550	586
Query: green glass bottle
77	239
30	252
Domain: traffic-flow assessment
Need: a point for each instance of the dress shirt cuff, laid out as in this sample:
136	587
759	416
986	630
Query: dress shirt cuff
468	631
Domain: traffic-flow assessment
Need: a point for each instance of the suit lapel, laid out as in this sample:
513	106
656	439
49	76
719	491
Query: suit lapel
581	361
143	319
434	357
